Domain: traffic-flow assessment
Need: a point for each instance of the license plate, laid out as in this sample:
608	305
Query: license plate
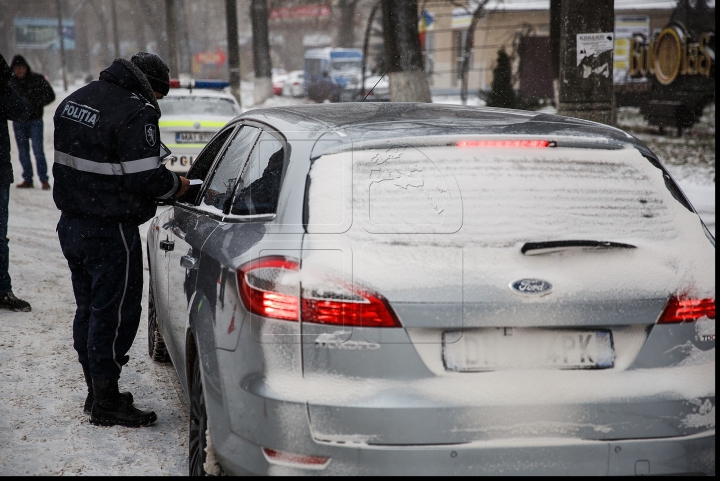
193	137
492	349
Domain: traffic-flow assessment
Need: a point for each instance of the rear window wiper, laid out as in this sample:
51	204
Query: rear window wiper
538	248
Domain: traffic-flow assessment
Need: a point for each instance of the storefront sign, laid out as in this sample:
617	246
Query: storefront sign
306	11
211	58
627	27
670	54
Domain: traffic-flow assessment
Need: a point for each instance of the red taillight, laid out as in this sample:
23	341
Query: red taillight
174	83
267	287
503	143
366	310
683	310
270	287
284	458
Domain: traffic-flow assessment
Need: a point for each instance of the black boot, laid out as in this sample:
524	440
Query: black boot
9	301
87	408
110	408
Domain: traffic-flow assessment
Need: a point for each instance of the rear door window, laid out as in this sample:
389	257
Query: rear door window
259	185
220	187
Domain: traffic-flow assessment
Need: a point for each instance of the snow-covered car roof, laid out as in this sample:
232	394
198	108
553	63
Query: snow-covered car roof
401	119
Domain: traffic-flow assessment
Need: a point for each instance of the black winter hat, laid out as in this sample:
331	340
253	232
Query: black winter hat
156	71
19	60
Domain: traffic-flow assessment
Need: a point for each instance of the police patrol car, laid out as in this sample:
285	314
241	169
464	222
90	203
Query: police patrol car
192	113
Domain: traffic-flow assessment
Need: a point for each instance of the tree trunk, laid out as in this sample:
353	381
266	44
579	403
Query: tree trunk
555	22
346	24
261	51
185	55
468	49
156	26
233	48
116	34
408	82
172	44
586	85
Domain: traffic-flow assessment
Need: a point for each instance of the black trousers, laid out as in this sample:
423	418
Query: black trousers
105	260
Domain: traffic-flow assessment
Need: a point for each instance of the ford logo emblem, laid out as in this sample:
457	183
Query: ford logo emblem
537	287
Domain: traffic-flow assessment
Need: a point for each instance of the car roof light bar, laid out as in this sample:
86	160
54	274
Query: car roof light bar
198	84
505	143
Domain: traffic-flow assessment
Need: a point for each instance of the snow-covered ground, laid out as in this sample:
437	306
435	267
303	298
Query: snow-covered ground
41	385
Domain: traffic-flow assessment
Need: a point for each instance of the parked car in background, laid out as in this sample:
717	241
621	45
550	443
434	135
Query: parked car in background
191	116
430	289
329	73
295	84
279	77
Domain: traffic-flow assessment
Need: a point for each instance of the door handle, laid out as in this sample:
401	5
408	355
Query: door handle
167	245
188	262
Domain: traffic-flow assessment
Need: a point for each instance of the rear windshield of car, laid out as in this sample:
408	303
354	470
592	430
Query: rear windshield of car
189	106
495	196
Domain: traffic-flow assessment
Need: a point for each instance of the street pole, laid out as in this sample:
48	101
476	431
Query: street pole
62	45
586	60
116	40
233	49
171	29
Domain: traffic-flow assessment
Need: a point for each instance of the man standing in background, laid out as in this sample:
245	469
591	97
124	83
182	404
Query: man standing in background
38	93
12	107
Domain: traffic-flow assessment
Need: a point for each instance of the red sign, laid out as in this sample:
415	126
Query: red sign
213	58
308	11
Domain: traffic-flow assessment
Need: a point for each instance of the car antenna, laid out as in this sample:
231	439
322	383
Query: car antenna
383	76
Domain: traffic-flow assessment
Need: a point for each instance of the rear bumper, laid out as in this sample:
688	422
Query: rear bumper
681	455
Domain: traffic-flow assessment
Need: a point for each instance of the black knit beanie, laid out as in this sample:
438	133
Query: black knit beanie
156	71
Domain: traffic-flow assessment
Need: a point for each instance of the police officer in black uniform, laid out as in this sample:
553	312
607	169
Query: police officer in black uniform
108	176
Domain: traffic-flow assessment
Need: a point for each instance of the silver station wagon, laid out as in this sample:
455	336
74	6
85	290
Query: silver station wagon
423	289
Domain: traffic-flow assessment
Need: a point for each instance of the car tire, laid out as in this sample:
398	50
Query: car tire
198	424
157	350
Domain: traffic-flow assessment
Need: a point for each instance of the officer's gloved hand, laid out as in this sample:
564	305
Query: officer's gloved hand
5	76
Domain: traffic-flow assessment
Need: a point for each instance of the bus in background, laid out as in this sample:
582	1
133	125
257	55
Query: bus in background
333	74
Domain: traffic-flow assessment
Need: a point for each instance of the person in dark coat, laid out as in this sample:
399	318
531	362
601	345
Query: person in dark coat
108	177
12	107
39	93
